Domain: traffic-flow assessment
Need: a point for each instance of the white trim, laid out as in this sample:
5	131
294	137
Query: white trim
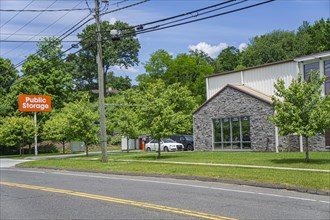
242	77
313	57
207	89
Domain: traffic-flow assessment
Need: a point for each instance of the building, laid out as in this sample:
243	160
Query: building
234	116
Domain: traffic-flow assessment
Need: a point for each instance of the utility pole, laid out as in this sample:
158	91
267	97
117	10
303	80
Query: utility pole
101	82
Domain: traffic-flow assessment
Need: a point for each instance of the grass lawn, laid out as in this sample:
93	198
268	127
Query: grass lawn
305	179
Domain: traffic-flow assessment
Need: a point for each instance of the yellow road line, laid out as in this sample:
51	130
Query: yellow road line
120	201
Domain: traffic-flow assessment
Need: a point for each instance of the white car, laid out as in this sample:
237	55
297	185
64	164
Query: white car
166	144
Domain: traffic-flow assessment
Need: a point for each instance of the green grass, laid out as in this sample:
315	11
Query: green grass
305	179
318	160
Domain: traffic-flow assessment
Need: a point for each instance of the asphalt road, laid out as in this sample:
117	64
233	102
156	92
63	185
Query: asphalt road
50	194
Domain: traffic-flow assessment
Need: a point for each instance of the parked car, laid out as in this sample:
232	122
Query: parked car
185	139
166	144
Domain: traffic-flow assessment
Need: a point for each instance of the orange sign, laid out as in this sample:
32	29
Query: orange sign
34	103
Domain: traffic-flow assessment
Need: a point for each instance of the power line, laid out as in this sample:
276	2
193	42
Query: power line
44	28
16	14
158	27
74	28
26	24
43	10
33	41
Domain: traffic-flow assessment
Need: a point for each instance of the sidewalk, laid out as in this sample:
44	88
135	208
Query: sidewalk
73	155
228	165
175	162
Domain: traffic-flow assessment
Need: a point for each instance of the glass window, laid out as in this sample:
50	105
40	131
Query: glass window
327	74
232	133
311	67
226	129
245	129
235	130
217	130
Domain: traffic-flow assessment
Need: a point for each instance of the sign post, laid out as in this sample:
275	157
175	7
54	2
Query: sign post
34	103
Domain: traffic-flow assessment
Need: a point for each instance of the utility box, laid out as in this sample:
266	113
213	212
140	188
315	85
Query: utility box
132	143
77	146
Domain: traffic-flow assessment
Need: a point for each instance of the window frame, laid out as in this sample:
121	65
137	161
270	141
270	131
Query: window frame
218	131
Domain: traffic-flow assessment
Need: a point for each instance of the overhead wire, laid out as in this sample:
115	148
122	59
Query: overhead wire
16	14
77	26
61	17
26	24
159	27
43	10
60	37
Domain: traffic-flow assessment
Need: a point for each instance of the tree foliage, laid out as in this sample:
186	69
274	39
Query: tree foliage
118	82
45	73
169	109
81	118
122	52
281	45
228	59
188	70
16	131
8	75
57	129
300	109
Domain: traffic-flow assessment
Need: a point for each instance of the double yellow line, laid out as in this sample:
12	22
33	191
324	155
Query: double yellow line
120	201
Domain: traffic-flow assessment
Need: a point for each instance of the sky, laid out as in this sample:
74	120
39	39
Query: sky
210	35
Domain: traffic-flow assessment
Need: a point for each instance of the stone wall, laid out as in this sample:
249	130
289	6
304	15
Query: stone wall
233	103
291	143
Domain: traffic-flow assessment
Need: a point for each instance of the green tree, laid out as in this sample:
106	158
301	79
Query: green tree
187	69
300	109
168	111
275	46
81	118
281	45
158	64
118	82
128	118
8	75
57	129
228	59
315	38
45	73
16	131
122	52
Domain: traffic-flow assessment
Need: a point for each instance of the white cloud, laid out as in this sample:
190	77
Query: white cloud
211	50
242	47
113	20
127	70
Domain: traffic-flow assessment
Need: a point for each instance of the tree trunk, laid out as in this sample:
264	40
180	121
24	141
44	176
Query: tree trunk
63	144
307	150
158	156
30	149
86	149
127	144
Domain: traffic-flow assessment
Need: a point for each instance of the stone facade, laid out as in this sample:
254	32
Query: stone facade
291	143
231	102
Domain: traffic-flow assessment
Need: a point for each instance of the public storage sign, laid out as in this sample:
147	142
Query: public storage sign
34	103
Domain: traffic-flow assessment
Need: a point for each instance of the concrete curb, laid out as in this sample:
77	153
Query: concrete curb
198	178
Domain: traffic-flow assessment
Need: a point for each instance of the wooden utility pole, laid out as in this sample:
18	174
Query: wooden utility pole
101	83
